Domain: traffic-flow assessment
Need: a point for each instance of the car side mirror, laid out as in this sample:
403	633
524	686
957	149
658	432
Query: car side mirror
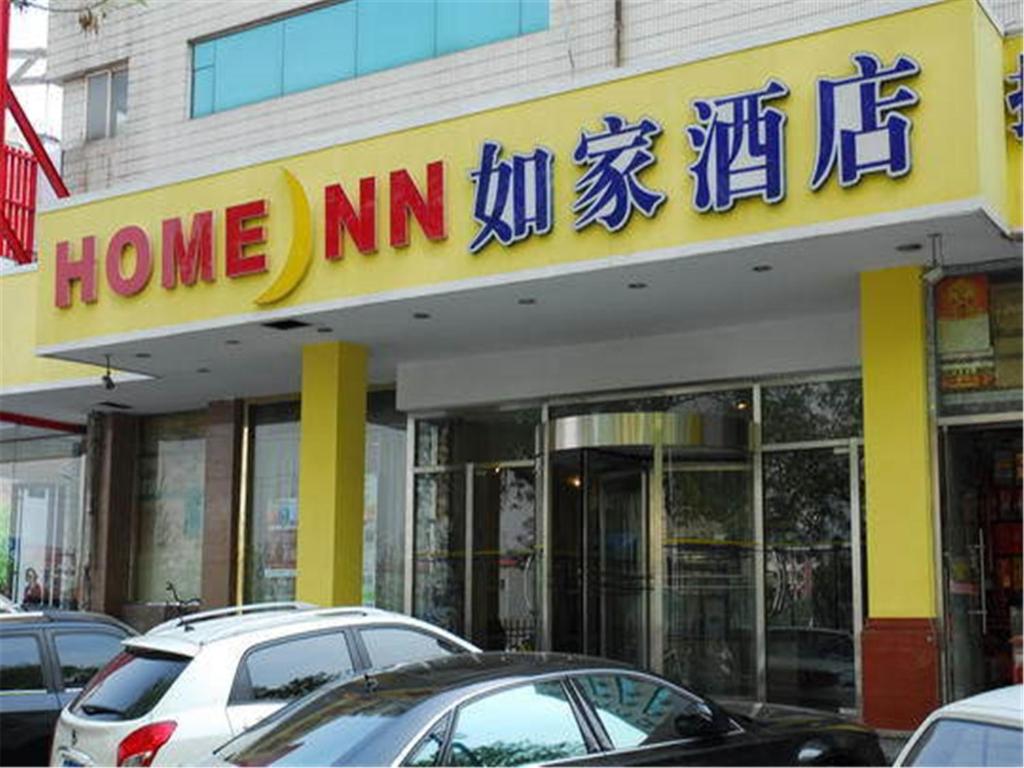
701	720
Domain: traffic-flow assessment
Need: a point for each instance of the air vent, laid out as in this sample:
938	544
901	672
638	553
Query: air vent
112	404
285	325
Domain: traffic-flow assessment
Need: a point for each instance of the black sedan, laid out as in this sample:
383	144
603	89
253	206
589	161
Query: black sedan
529	708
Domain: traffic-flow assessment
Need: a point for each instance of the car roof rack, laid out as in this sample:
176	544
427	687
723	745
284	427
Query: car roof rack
311	614
233	610
58	615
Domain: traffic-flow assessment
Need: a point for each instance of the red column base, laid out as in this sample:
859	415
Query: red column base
901	672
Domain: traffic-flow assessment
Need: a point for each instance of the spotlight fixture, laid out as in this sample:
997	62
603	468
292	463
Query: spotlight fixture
762	268
324	329
143	355
421	315
742	405
526	301
106	378
637	286
575	481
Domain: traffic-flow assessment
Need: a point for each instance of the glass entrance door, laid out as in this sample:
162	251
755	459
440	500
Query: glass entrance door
709	592
981	555
601	576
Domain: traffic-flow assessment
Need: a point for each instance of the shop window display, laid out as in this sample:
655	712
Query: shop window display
978	342
41	488
271	525
171	503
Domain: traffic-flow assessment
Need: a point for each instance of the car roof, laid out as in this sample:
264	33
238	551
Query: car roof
188	634
35	619
423	690
1003	704
459	672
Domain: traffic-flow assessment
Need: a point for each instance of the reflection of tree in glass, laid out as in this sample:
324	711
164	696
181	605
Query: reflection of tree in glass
297	686
811	411
512	753
807	535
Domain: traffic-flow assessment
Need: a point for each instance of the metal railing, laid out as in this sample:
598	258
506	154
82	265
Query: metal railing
18	201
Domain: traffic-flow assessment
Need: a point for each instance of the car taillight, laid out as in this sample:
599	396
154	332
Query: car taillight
140	747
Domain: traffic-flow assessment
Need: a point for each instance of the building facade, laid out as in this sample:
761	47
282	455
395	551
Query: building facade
682	333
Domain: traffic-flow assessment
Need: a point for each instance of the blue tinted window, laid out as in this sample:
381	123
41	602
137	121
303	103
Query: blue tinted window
535	16
394	32
346	39
320	47
465	24
248	66
202	54
202	92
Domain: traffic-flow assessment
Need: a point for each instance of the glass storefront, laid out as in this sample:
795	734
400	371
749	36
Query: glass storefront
171	503
273	513
475	511
813	508
977	336
41	495
676	540
273	519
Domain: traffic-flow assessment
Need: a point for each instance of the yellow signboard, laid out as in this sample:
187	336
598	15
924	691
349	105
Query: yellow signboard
398	213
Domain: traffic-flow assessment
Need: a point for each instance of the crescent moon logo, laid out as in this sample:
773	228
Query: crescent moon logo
300	252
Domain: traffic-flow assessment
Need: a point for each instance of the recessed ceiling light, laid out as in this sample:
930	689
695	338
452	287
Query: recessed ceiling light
908	247
526	301
421	315
637	286
762	268
202	370
285	325
143	355
232	342
324	329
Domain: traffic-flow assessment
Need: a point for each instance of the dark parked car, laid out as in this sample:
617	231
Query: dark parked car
45	660
519	709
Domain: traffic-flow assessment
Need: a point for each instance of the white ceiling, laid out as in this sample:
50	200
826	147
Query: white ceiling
816	275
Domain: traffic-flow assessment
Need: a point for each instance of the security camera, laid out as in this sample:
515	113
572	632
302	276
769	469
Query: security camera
106	378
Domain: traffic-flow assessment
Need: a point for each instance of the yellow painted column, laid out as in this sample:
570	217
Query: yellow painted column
331	468
900	642
897	456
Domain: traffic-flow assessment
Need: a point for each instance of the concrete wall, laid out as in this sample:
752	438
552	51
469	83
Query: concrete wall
797	345
159	138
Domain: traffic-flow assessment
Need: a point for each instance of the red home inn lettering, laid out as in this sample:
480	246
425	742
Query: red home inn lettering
186	246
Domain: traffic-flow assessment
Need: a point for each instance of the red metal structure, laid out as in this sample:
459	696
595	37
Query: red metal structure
18	169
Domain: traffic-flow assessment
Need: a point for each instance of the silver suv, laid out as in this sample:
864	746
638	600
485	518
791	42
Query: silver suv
190	684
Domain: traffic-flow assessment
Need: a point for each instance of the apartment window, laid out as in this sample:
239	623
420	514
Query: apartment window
345	40
106	103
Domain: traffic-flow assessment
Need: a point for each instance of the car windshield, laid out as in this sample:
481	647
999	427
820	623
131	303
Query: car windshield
129	686
321	728
950	742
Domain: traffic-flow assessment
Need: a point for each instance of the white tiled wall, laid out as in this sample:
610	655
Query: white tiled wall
159	138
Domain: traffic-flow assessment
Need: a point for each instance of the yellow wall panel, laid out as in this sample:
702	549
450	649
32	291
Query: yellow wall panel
901	558
19	366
